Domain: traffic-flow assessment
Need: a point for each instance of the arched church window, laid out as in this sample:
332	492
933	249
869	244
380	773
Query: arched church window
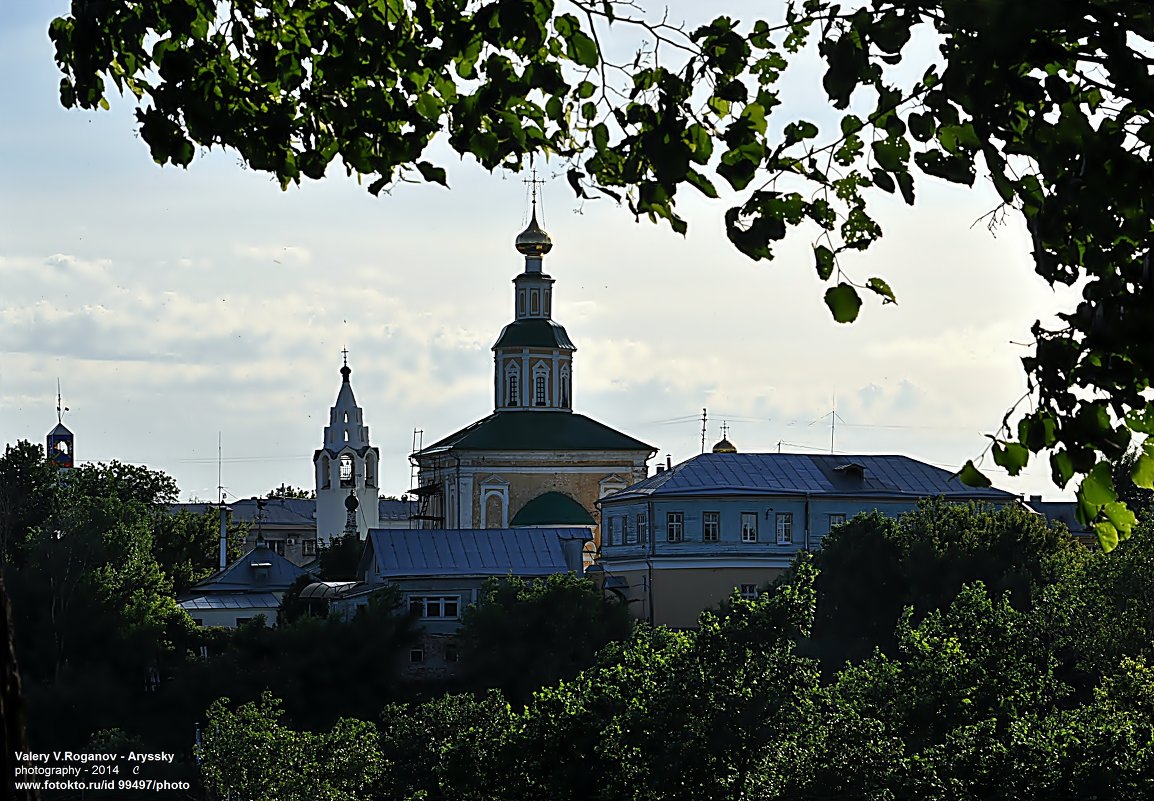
62	446
346	470
370	471
513	400
548	303
521	303
539	397
534	302
346	417
326	476
565	386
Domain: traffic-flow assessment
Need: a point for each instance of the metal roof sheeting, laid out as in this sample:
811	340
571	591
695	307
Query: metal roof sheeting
797	473
475	552
265	600
261	569
538	430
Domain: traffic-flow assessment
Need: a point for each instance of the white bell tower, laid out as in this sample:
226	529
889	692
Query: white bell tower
347	464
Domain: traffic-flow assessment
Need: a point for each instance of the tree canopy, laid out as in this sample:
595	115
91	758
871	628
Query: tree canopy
1051	103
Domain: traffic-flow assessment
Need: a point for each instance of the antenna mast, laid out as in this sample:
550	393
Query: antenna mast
704	418
60	407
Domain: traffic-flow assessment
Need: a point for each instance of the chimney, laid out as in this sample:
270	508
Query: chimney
1035	499
668	462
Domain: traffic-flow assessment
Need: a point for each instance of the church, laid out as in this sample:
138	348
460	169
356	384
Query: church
533	461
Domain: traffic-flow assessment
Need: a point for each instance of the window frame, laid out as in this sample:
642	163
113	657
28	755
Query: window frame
675	522
833	523
441	604
784	526
711	526
643	528
748	592
748	532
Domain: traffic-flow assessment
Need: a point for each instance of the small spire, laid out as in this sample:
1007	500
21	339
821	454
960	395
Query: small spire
60	407
346	371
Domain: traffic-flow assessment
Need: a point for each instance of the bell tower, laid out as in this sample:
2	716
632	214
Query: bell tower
61	443
347	466
533	357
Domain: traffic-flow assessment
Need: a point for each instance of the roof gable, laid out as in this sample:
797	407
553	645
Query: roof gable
260	570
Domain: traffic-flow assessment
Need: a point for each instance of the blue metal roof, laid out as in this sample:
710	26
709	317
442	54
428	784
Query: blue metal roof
264	600
474	552
798	473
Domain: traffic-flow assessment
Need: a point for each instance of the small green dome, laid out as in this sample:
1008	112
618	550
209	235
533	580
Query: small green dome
552	509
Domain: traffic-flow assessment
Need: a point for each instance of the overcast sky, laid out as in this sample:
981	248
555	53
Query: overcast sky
175	305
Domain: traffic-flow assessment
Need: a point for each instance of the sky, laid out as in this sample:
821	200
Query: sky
185	309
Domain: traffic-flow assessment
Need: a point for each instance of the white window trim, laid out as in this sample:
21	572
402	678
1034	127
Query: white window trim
748	535
784	528
709	519
675	521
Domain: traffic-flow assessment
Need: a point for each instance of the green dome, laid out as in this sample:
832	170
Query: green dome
553	509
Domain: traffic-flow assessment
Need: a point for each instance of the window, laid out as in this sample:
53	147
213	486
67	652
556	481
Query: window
442	607
277	545
346	470
326	473
643	529
711	527
513	399
836	520
417	656
748	591
749	526
370	471
614	530
539	390
630	533
565	386
674	526
534	302
785	528
309	547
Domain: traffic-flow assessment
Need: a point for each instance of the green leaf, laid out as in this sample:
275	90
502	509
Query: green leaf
971	476
906	184
1143	473
880	287
1061	468
825	263
583	49
1011	455
1107	535
432	173
883	180
844	302
701	182
1098	486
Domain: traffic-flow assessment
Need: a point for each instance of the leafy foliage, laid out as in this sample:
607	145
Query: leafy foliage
920	562
1049	104
523	635
249	755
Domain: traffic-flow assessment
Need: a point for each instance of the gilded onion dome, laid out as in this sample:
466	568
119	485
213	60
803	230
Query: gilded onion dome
533	241
724	446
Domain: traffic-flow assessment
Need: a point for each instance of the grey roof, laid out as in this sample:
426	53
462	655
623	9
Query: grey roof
291	511
898	477
1061	512
534	333
260	570
471	552
263	600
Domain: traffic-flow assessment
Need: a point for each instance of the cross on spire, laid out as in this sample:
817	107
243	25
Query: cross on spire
345	354
725	430
533	181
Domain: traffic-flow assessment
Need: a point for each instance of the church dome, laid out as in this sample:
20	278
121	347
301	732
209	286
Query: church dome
533	241
724	446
